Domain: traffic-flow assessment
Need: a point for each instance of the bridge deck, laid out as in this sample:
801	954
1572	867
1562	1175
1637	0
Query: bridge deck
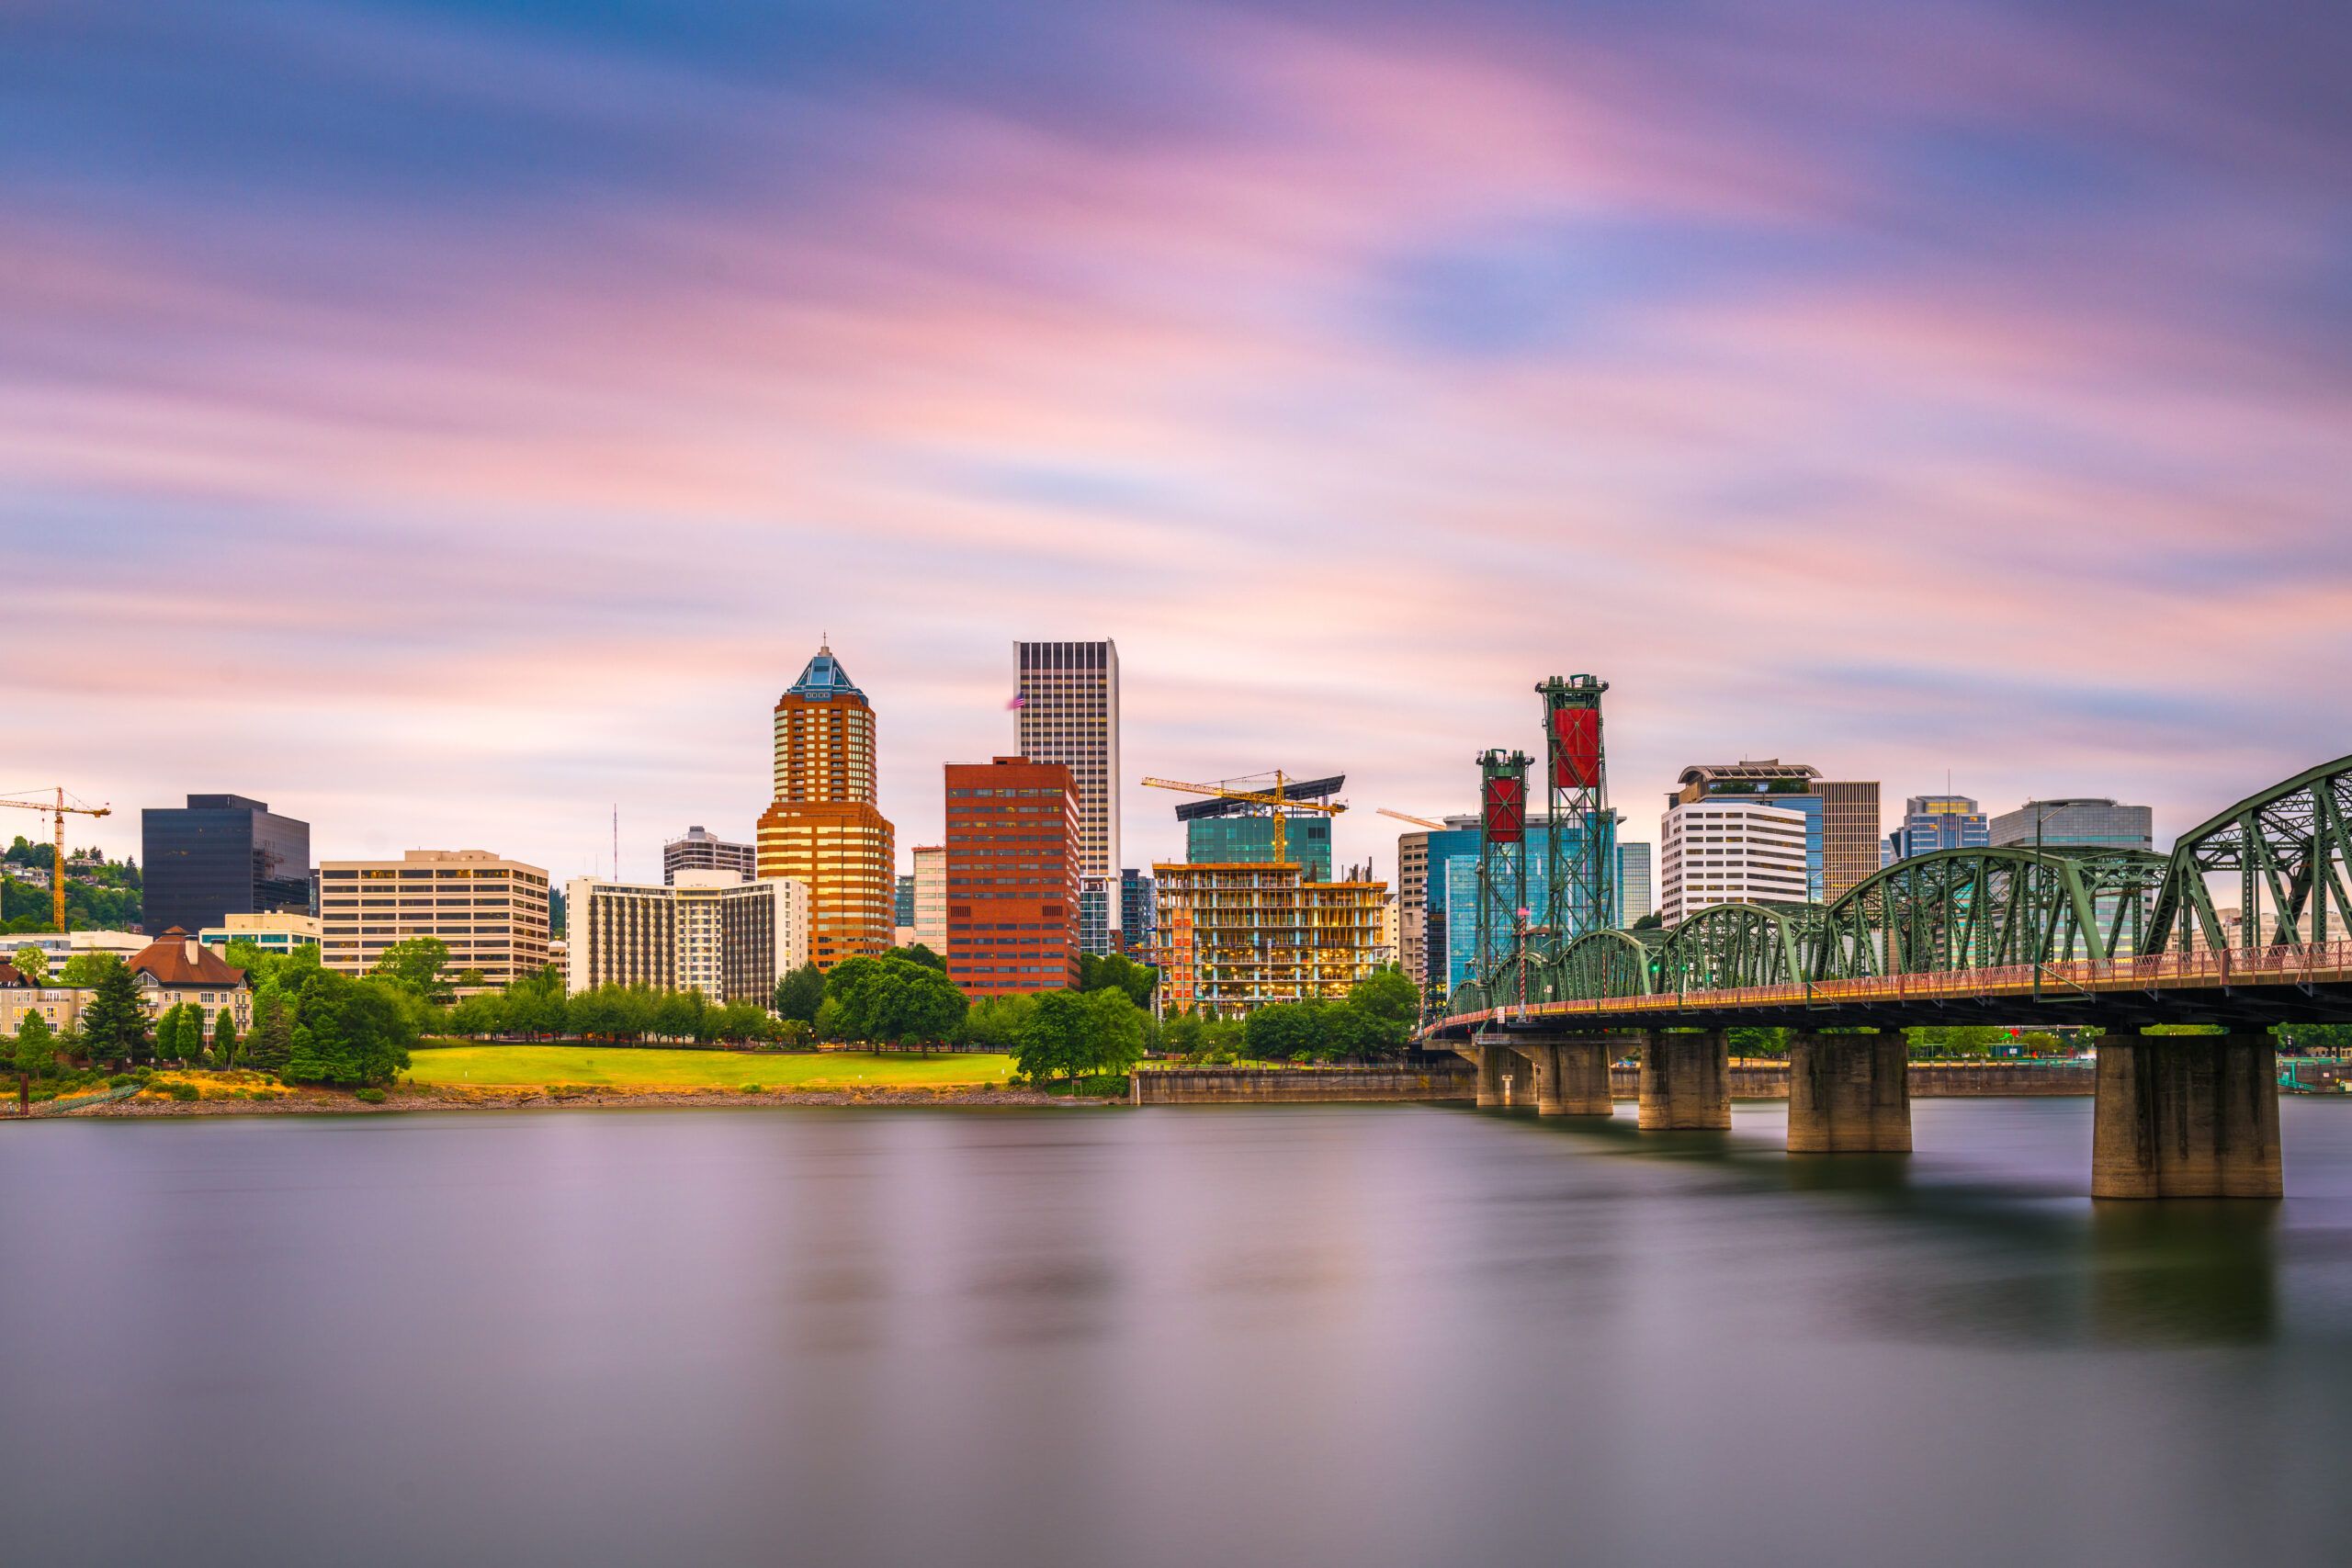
2310	982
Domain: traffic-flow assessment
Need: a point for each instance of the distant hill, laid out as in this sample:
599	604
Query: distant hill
100	893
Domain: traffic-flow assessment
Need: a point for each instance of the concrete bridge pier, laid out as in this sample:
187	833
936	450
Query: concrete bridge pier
2185	1116
1572	1079
1490	1060
1686	1082
1850	1094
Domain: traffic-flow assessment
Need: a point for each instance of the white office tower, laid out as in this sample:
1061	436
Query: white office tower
1068	708
1720	849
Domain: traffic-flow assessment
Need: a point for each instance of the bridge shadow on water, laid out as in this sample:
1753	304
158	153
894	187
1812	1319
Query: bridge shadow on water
1964	1254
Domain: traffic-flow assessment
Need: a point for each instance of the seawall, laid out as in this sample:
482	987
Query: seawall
1749	1081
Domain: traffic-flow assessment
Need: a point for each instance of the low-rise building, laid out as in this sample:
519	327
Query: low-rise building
60	947
492	912
22	996
177	968
281	932
712	931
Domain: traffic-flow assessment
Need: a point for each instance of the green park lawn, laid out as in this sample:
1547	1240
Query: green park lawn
639	1067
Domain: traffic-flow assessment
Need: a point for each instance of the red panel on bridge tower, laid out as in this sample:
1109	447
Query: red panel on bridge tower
1505	806
1576	748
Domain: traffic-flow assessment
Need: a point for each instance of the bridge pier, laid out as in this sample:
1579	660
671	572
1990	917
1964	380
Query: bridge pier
1490	1060
1850	1094
1572	1075
1686	1082
2185	1116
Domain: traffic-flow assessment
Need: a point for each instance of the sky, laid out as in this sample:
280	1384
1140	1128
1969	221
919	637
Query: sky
453	423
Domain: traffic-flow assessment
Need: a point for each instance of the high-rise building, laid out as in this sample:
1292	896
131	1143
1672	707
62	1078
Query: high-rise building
1938	822
1137	914
902	904
1095	934
1239	840
1422	858
492	912
823	831
1842	816
1234	938
2097	821
930	897
220	855
711	932
1014	832
1730	849
1456	936
702	849
1636	892
1068	711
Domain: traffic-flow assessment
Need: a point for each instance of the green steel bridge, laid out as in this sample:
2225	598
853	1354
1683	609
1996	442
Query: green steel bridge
2049	935
2012	935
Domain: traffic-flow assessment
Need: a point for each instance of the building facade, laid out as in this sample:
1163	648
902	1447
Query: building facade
1066	709
170	970
1636	886
1094	932
491	911
1422	861
271	933
1248	840
220	855
824	830
1137	918
711	932
702	849
902	904
1842	838
1016	836
1730	849
1932	823
930	897
1232	939
2093	821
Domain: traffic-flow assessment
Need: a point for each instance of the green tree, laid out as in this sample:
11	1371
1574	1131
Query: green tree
272	1037
890	1000
1074	1034
114	1024
32	964
83	969
994	1023
171	1026
1282	1032
33	1054
481	1014
348	1032
417	963
1389	1006
1751	1041
1649	922
800	994
224	1038
920	953
2327	1039
1116	1043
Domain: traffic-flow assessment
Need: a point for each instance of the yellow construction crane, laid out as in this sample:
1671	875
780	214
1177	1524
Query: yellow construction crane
58	809
1408	816
1272	798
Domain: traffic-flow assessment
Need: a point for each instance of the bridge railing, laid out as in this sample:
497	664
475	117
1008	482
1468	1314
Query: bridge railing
2291	964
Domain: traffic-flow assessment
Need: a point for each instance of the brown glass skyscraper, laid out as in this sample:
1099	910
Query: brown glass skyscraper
823	828
1013	836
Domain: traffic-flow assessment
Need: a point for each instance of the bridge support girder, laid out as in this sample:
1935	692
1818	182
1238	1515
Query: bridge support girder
1571	1075
1686	1082
2185	1116
1850	1094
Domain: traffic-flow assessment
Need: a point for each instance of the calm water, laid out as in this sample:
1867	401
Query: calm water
1353	1335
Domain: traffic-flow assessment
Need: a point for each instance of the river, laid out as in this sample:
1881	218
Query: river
1354	1336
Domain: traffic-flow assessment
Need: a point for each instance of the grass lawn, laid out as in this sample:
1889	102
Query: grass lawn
627	1066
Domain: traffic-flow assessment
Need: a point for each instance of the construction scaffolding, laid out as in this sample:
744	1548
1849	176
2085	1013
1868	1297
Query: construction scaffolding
1232	938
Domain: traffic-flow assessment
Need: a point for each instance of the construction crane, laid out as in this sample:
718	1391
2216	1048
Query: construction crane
1408	816
58	809
1273	798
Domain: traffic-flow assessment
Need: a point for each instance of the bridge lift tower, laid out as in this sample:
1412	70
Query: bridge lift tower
1581	851
1502	868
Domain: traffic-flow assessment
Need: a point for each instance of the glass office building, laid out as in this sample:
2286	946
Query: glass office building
220	855
1939	822
1453	896
1245	840
2081	820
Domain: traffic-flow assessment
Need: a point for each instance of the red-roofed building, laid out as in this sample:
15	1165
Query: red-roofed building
177	968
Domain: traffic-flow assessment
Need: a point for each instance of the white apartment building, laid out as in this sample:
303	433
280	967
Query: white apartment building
491	911
1725	849
714	931
1067	710
930	897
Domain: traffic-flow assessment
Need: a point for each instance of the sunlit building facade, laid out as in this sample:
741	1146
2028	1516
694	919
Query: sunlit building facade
824	830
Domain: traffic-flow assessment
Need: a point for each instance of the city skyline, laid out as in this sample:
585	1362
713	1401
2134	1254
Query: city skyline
1325	360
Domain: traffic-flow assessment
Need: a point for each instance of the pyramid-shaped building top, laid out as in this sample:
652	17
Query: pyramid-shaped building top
824	679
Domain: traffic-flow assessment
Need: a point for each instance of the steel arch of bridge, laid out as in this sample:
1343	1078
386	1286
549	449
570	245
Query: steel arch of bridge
2289	846
1739	945
1980	909
1611	962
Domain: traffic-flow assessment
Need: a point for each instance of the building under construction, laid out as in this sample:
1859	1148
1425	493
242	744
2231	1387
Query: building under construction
1233	937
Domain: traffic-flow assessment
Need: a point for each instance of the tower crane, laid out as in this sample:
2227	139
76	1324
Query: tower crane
1409	817
1273	798
57	809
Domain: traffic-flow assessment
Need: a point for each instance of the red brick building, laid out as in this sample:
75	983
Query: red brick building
1012	875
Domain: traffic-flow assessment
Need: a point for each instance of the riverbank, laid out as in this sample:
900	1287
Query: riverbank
396	1102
